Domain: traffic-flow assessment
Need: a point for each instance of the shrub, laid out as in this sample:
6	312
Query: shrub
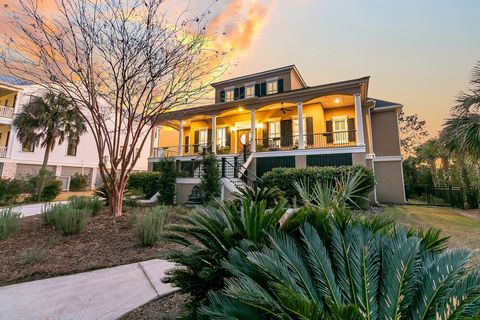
102	194
207	235
66	218
52	186
150	225
9	219
147	182
79	182
284	178
379	276
168	180
10	190
92	204
260	193
210	181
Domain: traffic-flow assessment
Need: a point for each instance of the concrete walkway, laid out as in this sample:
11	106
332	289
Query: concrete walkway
101	294
28	210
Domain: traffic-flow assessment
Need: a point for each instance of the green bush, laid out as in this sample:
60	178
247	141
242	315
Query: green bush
147	182
206	236
284	178
52	186
150	225
210	182
79	182
260	193
168	180
66	218
9	219
92	204
10	190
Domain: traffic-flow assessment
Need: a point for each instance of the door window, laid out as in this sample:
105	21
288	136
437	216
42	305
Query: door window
340	130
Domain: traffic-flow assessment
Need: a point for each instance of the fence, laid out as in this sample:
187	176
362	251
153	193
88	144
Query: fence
446	196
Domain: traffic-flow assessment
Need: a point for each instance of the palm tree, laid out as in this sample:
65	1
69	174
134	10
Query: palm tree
46	121
461	132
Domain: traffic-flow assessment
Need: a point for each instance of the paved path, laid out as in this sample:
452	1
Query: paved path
100	294
28	210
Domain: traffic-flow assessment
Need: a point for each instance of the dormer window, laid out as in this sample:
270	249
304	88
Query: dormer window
229	94
272	86
249	90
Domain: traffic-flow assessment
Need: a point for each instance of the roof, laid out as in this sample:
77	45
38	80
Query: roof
259	74
383	104
13	80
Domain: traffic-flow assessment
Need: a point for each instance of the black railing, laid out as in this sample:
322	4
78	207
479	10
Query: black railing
313	140
237	174
435	196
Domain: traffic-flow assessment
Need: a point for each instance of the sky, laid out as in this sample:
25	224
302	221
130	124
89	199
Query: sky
419	53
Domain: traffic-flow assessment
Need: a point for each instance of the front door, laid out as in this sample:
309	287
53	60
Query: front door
243	137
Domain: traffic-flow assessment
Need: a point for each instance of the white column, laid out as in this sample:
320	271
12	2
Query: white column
301	133
180	138
359	119
154	141
253	131
214	134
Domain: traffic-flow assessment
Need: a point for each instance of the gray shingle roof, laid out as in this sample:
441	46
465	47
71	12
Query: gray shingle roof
384	104
13	80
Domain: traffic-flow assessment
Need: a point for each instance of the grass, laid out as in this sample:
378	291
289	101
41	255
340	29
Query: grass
463	230
150	225
34	256
9	219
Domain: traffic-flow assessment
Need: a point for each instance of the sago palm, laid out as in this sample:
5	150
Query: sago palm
361	275
47	121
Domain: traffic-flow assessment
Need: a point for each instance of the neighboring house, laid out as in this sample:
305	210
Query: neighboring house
340	125
18	161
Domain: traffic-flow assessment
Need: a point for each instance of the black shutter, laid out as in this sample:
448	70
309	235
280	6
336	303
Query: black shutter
209	140
309	130
236	94
222	96
195	141
286	133
265	135
242	93
227	137
257	90
187	144
280	85
329	131
351	129
263	90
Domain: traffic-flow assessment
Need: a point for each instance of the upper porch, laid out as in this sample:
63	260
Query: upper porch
333	116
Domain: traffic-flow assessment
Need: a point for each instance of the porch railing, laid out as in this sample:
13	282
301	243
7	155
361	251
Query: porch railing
187	150
312	141
6	112
3	152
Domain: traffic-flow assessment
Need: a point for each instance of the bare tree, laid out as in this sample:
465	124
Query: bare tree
412	132
122	63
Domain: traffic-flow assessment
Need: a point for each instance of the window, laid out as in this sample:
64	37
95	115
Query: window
203	137
272	87
295	129
222	137
72	147
229	94
249	91
28	147
340	127
274	134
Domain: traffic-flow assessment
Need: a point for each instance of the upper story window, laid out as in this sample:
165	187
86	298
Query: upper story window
340	127
272	86
72	147
222	137
203	137
229	94
28	147
249	91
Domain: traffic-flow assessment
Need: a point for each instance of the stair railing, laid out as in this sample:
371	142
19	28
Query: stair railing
228	170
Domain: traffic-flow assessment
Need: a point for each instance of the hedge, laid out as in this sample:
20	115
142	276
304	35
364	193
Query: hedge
147	182
283	178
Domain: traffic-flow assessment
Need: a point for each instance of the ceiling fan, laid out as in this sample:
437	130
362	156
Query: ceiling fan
285	109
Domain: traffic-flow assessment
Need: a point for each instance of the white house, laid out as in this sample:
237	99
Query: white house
18	161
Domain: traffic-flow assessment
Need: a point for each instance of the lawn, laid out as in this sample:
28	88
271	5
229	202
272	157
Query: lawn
462	226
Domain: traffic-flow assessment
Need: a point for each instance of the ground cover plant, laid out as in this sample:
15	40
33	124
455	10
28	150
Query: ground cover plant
9	219
66	218
150	225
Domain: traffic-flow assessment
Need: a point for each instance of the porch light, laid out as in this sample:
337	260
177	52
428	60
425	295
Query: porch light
184	122
240	109
337	100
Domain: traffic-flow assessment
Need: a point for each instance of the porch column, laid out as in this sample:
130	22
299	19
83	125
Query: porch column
214	134
154	142
253	130
180	138
359	119
301	133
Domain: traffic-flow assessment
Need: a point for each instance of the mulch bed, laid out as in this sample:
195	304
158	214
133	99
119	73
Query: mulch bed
166	308
104	243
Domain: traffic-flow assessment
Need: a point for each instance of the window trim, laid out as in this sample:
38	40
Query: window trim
252	87
227	91
76	147
32	145
224	139
337	138
274	84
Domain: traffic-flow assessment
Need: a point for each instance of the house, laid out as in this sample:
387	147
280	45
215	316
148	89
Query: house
19	161
273	119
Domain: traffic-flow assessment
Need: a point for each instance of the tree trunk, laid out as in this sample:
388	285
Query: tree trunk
42	175
116	198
